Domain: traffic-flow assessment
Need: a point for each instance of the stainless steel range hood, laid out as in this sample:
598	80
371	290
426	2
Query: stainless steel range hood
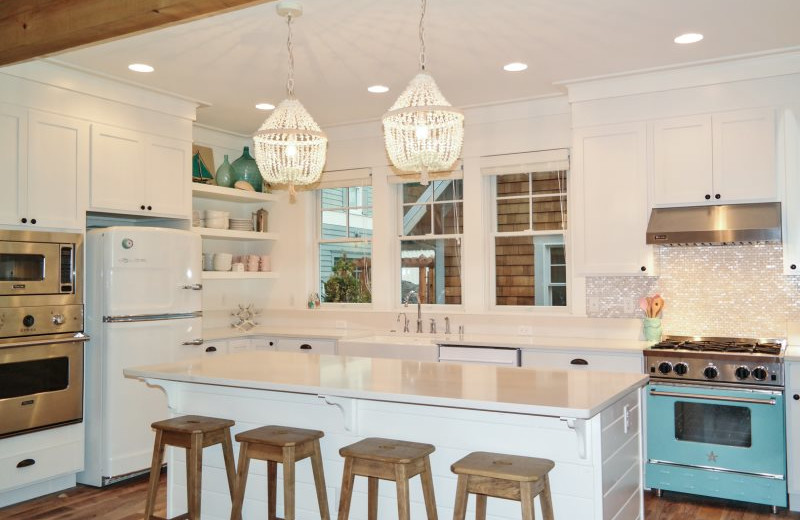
715	225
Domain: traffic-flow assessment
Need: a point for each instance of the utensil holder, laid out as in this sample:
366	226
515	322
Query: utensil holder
652	329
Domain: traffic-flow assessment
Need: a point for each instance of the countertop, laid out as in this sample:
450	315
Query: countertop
574	394
286	332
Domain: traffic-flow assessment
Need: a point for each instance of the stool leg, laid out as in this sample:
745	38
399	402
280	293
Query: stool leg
546	500
288	483
480	507
319	482
427	490
347	489
526	500
227	455
241	482
403	499
272	489
194	477
372	498
460	510
155	472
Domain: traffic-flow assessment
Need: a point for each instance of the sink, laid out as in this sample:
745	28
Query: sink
421	347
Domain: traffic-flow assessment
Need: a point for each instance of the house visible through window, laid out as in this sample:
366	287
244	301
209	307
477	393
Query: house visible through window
345	244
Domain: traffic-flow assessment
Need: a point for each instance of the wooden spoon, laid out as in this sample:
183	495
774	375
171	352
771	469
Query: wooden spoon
657	306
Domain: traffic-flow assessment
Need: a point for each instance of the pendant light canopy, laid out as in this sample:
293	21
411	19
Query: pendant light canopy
422	131
290	147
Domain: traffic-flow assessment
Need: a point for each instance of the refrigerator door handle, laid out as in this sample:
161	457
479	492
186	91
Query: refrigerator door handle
151	317
194	287
193	342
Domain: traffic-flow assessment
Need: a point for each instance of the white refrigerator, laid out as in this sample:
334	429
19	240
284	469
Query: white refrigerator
143	307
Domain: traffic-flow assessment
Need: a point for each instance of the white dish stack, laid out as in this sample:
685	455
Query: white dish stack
241	224
217	219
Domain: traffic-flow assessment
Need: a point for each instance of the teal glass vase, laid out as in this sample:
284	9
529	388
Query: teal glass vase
246	169
225	174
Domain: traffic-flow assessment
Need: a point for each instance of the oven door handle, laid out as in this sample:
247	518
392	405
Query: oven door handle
713	397
44	342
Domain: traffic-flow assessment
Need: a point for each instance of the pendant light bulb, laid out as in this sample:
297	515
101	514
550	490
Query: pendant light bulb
421	132
291	150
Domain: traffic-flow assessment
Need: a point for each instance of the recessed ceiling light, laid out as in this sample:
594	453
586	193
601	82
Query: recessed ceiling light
688	38
265	106
515	67
140	67
378	89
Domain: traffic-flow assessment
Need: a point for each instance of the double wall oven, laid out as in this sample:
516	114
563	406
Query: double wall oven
715	419
41	325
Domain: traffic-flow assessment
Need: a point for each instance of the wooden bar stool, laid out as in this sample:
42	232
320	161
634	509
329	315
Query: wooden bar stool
387	459
192	432
286	445
502	476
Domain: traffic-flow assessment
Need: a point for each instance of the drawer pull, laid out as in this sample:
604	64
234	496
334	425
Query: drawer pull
211	349
578	361
305	346
25	463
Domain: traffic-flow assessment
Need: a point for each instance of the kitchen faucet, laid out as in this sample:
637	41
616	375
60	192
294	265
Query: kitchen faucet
419	308
405	320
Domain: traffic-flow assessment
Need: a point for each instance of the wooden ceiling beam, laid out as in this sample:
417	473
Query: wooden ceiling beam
36	28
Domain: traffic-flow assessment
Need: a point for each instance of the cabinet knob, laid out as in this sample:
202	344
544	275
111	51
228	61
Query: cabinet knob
793	267
142	206
578	361
33	221
24	220
708	197
305	346
796	397
211	349
717	196
271	343
149	208
644	268
25	463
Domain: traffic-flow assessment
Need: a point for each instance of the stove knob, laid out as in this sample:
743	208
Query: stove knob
665	367
759	373
58	319
28	321
711	372
742	372
681	369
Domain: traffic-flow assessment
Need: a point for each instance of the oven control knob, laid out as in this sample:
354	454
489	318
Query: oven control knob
665	367
28	321
58	319
742	372
681	369
711	372
759	373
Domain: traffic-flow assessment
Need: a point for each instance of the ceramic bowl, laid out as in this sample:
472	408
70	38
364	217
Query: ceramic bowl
222	261
217	223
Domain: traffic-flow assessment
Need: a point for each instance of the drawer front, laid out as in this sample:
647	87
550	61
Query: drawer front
583	361
39	464
239	345
309	346
264	343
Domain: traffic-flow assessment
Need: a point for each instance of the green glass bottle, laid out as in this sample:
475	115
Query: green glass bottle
246	169
225	174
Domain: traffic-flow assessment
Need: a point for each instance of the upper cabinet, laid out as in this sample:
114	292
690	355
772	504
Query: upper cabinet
720	158
609	217
791	202
45	163
140	174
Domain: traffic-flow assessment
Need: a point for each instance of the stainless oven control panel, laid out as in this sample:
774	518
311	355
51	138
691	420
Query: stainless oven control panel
18	322
758	370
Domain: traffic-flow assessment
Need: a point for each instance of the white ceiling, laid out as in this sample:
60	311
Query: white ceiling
234	60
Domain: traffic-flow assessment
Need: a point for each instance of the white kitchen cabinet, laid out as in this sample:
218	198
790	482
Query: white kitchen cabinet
264	343
793	433
46	159
791	203
141	174
714	159
583	360
240	345
418	349
206	348
307	345
609	214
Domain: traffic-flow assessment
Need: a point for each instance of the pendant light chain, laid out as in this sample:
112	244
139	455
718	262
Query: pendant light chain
422	35
290	79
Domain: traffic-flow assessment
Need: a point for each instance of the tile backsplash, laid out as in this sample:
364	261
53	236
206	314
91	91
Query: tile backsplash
737	291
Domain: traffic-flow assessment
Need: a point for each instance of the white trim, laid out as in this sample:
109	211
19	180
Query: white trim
527	162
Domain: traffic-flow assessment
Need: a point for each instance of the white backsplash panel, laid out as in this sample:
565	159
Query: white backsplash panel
737	291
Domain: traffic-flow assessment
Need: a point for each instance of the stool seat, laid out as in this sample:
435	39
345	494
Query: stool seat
280	436
506	467
387	450
193	424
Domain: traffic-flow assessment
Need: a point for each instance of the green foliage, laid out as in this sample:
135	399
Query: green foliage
344	286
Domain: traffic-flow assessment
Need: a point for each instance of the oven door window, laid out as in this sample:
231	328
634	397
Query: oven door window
713	424
22	268
33	377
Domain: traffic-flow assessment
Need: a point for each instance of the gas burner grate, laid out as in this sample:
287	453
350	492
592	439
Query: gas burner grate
734	346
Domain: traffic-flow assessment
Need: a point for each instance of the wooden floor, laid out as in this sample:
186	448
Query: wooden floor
125	501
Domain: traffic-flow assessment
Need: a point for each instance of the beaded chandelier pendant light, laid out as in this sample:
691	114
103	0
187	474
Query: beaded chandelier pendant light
422	131
290	147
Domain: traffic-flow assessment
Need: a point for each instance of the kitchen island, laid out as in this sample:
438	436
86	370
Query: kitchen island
588	422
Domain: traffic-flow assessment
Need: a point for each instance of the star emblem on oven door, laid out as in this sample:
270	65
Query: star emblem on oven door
712	457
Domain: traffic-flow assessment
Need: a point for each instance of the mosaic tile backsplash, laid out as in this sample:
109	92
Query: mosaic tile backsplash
737	291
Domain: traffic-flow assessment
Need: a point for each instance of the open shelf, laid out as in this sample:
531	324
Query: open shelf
230	275
230	234
210	192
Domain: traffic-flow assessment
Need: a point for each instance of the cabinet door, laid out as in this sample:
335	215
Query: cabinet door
14	166
117	169
610	211
577	360
167	177
744	156
682	160
793	432
308	346
791	202
58	164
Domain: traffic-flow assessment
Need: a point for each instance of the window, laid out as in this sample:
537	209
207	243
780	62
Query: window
529	221
430	241
345	244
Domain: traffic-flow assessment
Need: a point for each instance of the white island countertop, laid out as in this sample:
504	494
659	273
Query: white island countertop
575	394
